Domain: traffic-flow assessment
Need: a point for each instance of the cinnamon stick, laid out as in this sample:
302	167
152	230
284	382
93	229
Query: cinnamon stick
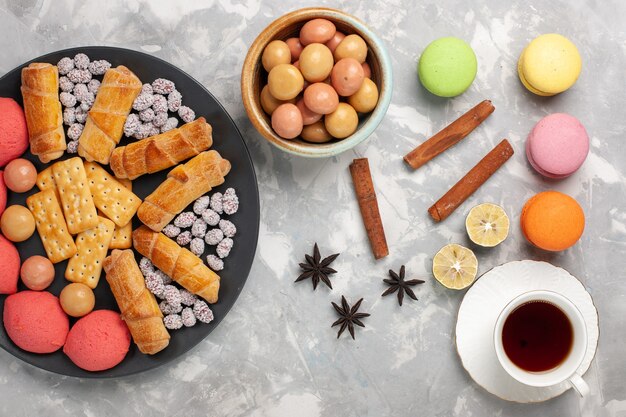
450	135
364	187
471	181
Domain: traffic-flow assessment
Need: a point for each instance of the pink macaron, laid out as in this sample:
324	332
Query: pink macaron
557	146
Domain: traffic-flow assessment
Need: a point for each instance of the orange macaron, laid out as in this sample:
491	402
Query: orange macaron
552	221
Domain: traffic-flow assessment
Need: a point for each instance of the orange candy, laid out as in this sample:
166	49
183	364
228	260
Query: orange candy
552	221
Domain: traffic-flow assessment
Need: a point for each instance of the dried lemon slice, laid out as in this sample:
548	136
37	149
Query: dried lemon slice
455	266
487	225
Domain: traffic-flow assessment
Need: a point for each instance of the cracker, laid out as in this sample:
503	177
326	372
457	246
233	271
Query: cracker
92	245
122	236
117	202
45	181
76	201
51	226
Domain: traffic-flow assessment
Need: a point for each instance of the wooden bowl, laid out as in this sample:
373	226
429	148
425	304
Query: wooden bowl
254	77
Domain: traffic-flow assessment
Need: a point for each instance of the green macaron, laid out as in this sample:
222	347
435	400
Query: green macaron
447	67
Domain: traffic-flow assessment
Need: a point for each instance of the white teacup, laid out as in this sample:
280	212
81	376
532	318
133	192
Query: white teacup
566	371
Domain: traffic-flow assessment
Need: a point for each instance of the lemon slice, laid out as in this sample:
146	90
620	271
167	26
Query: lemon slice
487	225
455	266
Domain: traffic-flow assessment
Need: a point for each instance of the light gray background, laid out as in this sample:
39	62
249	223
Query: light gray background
275	354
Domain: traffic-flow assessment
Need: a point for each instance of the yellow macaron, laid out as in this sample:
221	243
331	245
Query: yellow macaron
549	65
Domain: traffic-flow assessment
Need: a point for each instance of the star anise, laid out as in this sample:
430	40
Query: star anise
397	283
317	269
349	316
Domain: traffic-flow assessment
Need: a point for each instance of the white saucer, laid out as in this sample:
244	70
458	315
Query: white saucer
480	309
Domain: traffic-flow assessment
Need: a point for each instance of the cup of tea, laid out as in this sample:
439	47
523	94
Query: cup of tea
541	339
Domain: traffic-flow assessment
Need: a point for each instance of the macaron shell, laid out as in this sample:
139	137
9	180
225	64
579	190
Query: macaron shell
552	221
9	267
98	341
520	72
550	64
558	145
447	67
35	321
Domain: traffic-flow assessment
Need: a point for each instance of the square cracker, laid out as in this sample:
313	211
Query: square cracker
92	245
122	236
51	226
76	201
113	199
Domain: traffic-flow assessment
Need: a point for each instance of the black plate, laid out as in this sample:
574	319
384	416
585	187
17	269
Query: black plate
230	144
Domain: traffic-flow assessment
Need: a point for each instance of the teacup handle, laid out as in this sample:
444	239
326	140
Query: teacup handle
579	384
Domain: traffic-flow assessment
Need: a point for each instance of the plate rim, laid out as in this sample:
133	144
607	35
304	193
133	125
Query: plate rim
256	197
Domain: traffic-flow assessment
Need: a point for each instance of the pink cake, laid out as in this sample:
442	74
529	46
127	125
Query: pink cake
98	341
35	321
9	267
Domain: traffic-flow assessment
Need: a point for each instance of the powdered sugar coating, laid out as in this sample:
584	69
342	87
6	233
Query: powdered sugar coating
214	236
72	146
69	116
201	204
81	61
196	246
202	312
171	294
99	67
187	298
214	262
74	131
174	101
210	217
159	103
143	101
79	90
167	309
65	65
81	115
185	219
164	277
66	85
171	123
198	229
67	99
86	99
153	130
171	231
146	115
86	106
163	86
143	131
131	126
154	284
186	114
216	203
173	322
159	119
223	248
145	266
93	86
228	228
146	89
230	201
187	317
184	238
81	76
